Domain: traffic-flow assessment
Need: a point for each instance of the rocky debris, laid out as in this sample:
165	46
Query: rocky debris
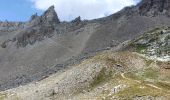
5	43
114	43
35	34
87	76
92	79
154	7
155	43
119	27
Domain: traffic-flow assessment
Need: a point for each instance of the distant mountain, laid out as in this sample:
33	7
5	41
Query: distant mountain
44	45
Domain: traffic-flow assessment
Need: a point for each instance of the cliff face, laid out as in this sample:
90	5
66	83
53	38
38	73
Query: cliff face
154	7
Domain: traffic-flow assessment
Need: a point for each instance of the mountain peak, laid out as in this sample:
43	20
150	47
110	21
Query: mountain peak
76	20
33	17
154	7
50	16
51	7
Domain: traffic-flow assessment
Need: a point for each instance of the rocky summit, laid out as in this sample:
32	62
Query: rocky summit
124	56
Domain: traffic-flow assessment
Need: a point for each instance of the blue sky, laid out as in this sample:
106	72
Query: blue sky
21	10
17	10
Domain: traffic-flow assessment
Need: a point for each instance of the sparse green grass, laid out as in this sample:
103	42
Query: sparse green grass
151	73
133	76
164	85
105	74
99	79
139	89
166	78
148	73
102	77
2	96
136	90
148	62
140	48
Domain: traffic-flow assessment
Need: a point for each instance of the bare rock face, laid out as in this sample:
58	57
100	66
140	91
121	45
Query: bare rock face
50	16
154	7
33	17
38	27
34	20
77	20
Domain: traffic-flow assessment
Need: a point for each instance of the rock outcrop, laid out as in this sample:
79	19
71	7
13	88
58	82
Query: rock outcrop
154	7
50	16
38	28
76	20
155	44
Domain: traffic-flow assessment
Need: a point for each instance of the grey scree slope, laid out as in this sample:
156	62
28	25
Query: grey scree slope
32	50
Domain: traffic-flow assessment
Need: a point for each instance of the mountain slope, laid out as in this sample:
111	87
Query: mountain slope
44	45
108	75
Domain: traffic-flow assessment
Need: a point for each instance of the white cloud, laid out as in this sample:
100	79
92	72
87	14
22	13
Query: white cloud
87	9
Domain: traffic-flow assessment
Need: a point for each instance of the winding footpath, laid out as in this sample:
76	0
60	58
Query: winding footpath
151	85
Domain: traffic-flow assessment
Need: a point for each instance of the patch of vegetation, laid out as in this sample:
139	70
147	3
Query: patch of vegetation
163	85
166	78
2	96
133	76
138	90
167	37
140	48
150	73
153	39
142	75
101	77
148	62
106	74
110	62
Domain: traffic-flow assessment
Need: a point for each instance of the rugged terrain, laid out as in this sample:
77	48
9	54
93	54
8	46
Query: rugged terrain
124	55
128	72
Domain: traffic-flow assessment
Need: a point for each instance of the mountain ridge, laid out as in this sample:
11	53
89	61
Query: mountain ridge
32	49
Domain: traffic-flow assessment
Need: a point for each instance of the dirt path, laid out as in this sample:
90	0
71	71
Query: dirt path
123	76
151	85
